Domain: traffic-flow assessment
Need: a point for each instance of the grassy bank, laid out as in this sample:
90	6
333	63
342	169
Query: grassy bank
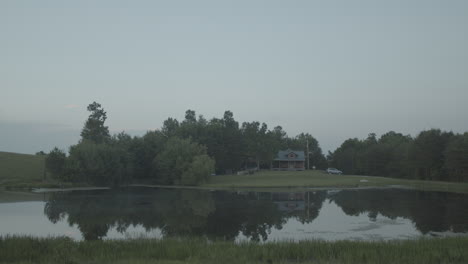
63	250
25	171
21	169
319	179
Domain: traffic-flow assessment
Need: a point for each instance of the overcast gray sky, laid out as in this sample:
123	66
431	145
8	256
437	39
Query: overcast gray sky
335	69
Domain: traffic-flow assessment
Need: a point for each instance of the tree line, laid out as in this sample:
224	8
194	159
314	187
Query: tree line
187	152
431	155
183	152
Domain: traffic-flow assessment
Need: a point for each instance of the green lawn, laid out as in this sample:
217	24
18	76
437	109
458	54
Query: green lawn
63	250
17	169
25	171
319	179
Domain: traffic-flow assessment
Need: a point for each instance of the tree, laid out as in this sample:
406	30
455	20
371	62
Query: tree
94	129
190	116
100	164
191	127
199	170
346	156
144	150
223	140
316	157
232	141
170	127
456	158
182	162
55	163
384	157
432	155
396	147
427	154
255	141
277	140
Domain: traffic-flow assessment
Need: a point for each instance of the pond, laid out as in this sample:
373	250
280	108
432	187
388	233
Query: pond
365	214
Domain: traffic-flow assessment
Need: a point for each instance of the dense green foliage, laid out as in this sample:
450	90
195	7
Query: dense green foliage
94	129
432	155
99	164
64	250
456	158
55	163
188	152
185	153
102	160
236	147
182	162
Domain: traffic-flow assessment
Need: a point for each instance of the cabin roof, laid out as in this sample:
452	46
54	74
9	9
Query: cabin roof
284	155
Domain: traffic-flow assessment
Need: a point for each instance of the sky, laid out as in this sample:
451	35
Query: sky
334	69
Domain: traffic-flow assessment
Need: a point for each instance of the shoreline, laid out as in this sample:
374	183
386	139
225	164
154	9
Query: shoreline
269	181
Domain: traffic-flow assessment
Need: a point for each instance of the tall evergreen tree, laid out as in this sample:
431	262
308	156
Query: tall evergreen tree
94	129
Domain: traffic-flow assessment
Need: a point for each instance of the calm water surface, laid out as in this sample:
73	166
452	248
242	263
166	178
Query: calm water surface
260	216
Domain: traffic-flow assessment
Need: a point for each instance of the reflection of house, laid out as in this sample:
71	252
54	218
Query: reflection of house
305	205
289	160
286	202
289	202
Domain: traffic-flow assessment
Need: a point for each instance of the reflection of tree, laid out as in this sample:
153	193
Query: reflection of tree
314	202
430	211
217	215
95	212
188	213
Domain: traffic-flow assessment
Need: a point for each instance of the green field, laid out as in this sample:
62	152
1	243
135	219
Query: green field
21	169
26	171
320	179
64	250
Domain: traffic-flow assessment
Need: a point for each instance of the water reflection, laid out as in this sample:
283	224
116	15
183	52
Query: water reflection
226	215
182	212
429	211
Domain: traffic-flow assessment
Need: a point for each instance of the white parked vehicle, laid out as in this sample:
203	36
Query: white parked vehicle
334	171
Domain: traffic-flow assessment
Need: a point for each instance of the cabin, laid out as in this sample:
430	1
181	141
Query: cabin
293	160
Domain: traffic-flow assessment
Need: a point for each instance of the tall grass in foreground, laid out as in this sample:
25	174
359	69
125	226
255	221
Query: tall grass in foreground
64	250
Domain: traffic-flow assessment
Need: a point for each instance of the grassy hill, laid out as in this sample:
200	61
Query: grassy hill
317	179
18	169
